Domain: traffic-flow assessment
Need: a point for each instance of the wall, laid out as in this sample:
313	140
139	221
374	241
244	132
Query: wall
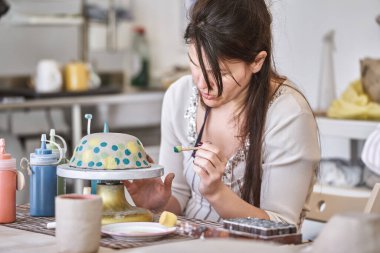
299	27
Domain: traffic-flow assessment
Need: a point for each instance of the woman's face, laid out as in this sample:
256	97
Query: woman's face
235	77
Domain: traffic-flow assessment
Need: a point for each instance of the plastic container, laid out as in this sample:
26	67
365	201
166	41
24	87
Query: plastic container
10	181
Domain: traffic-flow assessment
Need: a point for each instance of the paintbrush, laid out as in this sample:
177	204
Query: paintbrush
178	149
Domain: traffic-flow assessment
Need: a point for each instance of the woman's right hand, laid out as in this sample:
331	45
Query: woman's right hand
151	193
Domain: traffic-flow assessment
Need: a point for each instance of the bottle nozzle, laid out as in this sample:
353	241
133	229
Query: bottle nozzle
2	146
88	117
43	141
106	128
52	135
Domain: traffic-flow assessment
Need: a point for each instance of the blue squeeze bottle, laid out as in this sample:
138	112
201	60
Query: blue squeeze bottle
43	181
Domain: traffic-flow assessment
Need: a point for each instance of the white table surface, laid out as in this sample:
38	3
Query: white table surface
20	241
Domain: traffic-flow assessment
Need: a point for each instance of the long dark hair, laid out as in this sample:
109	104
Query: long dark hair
230	30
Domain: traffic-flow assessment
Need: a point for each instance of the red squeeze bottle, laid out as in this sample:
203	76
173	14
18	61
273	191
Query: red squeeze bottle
8	185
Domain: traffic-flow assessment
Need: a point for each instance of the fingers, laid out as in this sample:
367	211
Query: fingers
213	150
168	181
210	158
126	183
131	186
150	159
201	172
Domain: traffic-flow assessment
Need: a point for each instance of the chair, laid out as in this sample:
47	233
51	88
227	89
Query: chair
325	201
373	204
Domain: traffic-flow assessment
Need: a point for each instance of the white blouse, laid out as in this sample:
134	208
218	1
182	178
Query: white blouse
290	154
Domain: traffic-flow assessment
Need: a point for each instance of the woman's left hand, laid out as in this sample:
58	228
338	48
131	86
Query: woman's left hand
209	164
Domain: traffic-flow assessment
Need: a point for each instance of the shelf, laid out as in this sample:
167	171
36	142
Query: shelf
45	21
350	129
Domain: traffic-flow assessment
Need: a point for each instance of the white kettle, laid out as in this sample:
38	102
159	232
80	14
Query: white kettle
48	77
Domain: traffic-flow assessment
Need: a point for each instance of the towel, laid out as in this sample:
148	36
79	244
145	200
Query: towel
354	104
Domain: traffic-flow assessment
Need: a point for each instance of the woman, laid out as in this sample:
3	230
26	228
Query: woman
257	137
4	7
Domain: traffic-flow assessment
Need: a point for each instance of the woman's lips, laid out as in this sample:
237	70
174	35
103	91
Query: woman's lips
208	96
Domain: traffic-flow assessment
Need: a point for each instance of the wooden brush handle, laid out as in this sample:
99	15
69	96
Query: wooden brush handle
189	148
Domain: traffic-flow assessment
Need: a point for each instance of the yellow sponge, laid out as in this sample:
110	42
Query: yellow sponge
168	219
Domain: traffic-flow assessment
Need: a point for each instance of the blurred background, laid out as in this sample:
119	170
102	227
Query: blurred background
60	59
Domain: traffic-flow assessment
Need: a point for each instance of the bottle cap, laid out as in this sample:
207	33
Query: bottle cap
43	155
43	150
6	160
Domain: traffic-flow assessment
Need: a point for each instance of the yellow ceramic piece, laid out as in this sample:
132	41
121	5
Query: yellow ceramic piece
116	209
94	142
168	219
109	163
354	104
132	147
87	156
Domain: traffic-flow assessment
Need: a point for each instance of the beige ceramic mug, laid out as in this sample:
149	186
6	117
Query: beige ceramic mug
78	219
76	77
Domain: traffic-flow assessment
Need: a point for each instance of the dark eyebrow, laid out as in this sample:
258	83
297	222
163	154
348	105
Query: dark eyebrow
192	60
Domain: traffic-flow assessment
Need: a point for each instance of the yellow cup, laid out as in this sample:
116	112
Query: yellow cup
76	77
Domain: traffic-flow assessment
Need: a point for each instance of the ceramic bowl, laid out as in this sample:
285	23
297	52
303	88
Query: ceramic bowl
109	151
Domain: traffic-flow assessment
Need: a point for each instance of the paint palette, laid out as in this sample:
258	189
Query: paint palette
109	151
260	227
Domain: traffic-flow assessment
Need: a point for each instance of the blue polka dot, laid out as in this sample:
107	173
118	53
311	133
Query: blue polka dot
127	152
91	164
145	163
79	163
138	163
80	148
139	154
103	144
99	164
96	150
84	142
126	161
77	149
114	148
117	160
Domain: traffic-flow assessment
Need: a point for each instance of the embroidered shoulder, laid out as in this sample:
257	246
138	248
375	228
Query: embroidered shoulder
279	92
190	114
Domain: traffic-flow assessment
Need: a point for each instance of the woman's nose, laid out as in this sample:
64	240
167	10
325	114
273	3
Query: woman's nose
202	85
